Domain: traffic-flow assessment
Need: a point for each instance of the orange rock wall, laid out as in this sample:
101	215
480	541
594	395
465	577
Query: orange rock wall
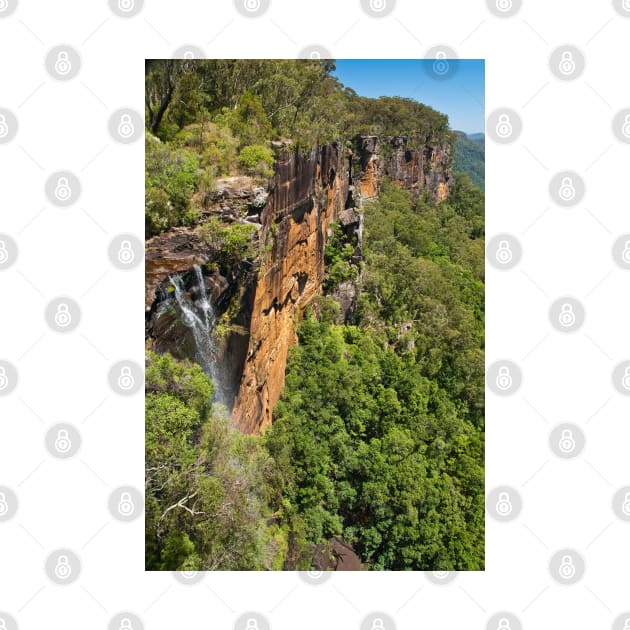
309	192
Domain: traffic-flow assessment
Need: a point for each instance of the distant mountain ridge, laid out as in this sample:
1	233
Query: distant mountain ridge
470	156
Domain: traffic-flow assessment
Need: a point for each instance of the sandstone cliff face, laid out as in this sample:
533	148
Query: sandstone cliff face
309	193
415	166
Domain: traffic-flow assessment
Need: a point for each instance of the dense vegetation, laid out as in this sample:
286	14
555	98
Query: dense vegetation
391	457
379	436
214	118
470	157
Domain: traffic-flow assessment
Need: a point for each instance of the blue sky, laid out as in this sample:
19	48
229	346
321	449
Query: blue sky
461	96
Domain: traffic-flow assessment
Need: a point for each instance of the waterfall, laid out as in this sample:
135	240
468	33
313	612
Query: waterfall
199	315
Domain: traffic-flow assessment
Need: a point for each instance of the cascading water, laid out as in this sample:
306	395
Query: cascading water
199	315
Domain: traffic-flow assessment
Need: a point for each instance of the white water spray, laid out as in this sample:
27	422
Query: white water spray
200	317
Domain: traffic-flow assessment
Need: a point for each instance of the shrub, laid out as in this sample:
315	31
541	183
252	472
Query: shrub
257	160
171	177
230	243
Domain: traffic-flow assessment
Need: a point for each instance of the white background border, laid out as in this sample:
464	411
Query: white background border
63	251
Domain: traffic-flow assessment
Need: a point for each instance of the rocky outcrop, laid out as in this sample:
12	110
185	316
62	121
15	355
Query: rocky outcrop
415	165
174	251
